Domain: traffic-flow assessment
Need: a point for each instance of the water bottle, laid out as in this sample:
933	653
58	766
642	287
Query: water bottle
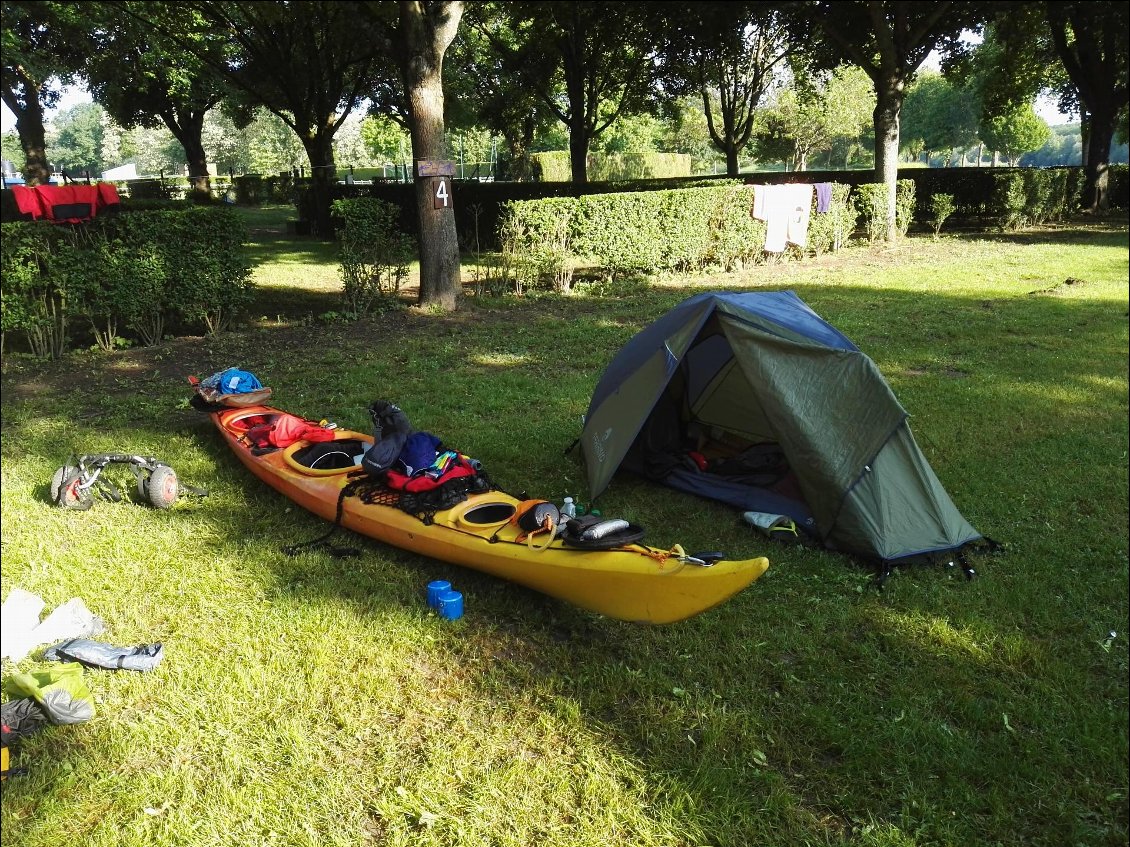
568	510
604	528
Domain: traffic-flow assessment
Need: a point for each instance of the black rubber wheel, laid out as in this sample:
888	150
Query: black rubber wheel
162	488
142	488
69	495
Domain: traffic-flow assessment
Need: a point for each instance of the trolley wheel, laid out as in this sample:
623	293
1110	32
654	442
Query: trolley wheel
65	490
57	480
162	488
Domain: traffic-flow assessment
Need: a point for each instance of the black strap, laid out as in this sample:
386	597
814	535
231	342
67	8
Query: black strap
323	540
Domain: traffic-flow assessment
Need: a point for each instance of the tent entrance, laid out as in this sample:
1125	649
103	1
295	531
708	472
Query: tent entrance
708	435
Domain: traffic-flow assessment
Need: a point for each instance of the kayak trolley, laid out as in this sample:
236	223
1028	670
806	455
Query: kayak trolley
74	484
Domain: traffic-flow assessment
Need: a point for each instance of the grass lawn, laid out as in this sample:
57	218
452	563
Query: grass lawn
317	701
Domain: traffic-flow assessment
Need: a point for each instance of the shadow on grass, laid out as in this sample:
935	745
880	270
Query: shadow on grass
1097	232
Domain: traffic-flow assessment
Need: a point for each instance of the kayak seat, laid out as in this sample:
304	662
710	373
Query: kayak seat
341	454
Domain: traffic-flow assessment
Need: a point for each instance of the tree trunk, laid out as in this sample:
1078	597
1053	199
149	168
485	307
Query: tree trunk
198	175
37	170
519	168
1096	197
323	173
886	116
29	126
427	30
579	150
189	132
731	151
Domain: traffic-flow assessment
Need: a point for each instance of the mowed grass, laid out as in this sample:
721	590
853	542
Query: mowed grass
317	701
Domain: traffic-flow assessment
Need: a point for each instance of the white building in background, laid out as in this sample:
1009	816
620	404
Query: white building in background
120	173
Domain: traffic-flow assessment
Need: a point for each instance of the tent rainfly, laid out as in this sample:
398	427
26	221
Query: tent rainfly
754	400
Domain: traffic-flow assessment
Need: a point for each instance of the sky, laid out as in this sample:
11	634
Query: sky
71	97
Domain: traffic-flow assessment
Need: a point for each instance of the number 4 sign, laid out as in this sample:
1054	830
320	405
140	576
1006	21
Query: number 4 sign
441	193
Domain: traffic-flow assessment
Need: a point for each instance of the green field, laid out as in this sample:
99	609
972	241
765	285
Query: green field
317	701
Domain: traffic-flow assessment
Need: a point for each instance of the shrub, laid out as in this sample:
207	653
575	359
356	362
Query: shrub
904	205
131	270
151	189
207	278
139	275
250	190
1009	202
1118	186
374	253
31	300
871	201
829	231
81	271
941	207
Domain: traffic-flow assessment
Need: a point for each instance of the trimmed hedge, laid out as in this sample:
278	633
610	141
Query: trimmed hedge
978	201
132	271
632	232
478	206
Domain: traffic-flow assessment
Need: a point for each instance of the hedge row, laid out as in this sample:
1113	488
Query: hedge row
478	205
984	198
246	190
679	230
123	276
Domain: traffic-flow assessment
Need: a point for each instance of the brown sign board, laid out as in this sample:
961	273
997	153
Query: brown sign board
441	192
434	167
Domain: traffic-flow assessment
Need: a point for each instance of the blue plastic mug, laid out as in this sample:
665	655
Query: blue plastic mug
450	605
435	588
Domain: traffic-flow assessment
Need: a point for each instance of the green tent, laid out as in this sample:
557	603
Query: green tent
754	400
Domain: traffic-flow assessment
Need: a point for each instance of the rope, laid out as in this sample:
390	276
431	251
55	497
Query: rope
323	540
548	527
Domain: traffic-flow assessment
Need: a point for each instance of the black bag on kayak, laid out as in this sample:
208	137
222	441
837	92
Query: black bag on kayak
391	429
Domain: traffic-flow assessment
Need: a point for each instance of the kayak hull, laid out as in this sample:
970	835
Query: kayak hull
631	583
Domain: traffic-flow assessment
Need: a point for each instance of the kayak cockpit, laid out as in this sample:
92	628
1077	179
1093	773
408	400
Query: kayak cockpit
325	458
484	514
341	454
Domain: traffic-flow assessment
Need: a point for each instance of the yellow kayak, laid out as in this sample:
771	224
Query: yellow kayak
632	582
